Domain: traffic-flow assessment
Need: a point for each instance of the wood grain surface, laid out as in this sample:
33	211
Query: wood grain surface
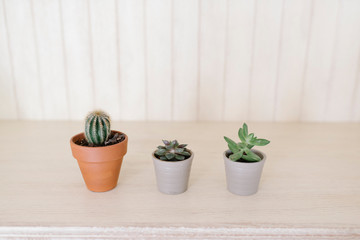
310	188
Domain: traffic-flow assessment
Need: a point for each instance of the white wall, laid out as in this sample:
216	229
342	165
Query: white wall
231	60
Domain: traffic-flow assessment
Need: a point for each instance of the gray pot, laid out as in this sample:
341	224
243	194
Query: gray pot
243	178
172	177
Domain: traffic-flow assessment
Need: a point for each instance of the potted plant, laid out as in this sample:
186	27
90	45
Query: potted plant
99	152
172	164
243	164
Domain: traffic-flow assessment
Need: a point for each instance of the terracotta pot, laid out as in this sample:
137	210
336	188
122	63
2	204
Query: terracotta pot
243	177
172	177
100	166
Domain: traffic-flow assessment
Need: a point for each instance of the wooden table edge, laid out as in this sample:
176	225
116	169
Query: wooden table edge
176	232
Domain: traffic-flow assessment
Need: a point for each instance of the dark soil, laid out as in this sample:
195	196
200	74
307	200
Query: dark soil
113	139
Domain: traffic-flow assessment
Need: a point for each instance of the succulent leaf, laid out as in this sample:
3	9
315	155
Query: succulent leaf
250	156
260	142
250	159
174	143
232	145
186	154
179	150
169	155
182	145
250	137
236	156
241	135
241	145
245	129
166	142
161	152
179	157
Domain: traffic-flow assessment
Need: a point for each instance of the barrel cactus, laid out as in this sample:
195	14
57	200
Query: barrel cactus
172	151
97	128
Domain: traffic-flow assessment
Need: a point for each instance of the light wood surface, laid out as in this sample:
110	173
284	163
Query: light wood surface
310	186
271	60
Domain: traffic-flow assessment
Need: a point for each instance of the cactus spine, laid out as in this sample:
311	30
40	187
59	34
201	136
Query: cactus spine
97	128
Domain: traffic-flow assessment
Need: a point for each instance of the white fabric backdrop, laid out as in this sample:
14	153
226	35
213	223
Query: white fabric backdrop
182	60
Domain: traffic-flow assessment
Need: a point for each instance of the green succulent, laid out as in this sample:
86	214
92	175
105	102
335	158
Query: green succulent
242	150
172	151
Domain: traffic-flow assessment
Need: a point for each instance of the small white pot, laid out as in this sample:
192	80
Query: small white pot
243	177
172	177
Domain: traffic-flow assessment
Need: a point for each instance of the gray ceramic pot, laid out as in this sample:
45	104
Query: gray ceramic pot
172	176
243	178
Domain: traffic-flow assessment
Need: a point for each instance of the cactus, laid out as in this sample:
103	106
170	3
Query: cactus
242	150
172	151
97	128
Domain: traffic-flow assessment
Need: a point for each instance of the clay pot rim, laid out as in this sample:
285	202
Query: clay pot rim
98	147
191	156
263	157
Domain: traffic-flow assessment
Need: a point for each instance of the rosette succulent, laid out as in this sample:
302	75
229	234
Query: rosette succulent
242	151
172	151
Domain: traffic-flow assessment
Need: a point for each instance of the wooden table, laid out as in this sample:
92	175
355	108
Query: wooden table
310	188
